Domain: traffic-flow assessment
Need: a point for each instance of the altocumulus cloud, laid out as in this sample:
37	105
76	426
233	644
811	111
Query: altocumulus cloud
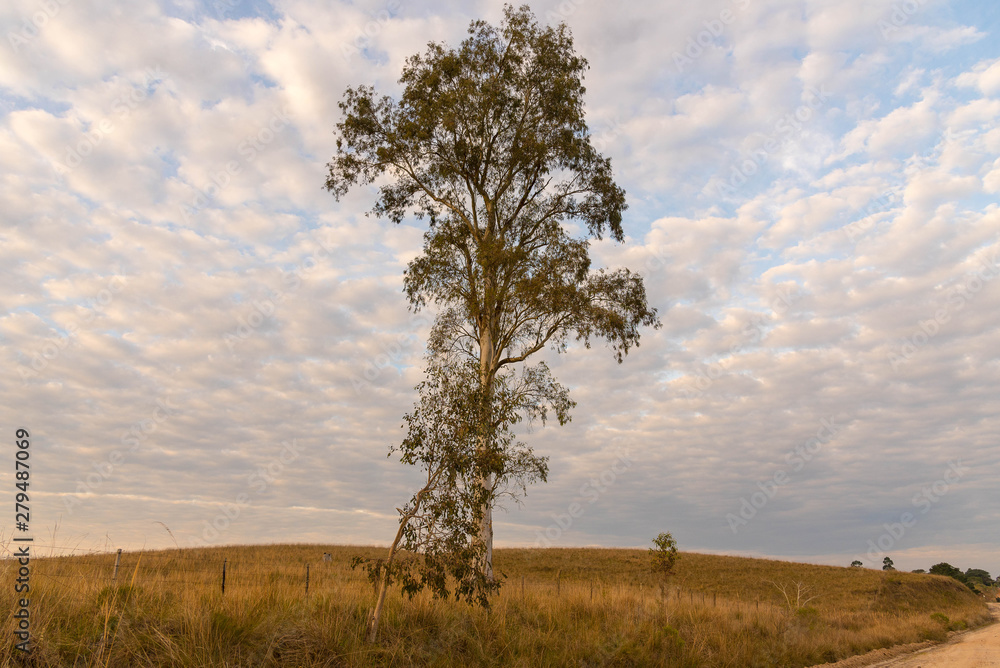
812	202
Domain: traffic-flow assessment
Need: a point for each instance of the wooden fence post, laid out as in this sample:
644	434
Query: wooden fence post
118	559
307	580
522	586
558	580
224	575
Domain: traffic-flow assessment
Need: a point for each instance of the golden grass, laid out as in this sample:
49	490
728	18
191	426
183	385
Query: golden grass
559	607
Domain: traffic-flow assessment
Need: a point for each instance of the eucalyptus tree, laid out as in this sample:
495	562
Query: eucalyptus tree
488	142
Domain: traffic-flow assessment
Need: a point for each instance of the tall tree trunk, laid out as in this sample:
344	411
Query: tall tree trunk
486	531
486	357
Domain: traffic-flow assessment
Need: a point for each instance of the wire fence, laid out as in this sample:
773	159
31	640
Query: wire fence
214	570
173	568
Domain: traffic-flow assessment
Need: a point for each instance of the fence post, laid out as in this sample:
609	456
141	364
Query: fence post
713	598
558	580
591	589
224	575
307	580
522	586
118	559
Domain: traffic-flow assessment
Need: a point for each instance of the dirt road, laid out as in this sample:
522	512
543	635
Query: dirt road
978	649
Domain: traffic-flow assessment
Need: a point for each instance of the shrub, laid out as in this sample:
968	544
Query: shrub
664	555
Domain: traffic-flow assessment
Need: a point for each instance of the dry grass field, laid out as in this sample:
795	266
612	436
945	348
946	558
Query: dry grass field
559	607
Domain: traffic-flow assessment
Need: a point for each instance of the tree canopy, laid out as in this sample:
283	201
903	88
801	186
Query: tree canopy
980	576
944	568
489	142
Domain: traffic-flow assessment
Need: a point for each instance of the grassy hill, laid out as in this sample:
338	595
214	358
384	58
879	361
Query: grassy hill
559	607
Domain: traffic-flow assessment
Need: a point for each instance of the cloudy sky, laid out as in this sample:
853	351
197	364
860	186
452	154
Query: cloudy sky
197	334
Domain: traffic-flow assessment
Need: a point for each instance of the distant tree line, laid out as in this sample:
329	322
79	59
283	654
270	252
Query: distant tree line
973	578
970	578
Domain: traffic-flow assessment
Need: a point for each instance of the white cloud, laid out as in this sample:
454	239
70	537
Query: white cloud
192	257
985	76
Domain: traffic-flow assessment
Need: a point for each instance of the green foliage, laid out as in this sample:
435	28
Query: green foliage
457	437
944	568
489	142
807	612
856	564
979	576
674	641
887	564
664	556
808	617
940	631
947	624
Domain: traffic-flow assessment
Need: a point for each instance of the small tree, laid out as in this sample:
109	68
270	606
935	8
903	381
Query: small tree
794	598
664	555
856	564
887	564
